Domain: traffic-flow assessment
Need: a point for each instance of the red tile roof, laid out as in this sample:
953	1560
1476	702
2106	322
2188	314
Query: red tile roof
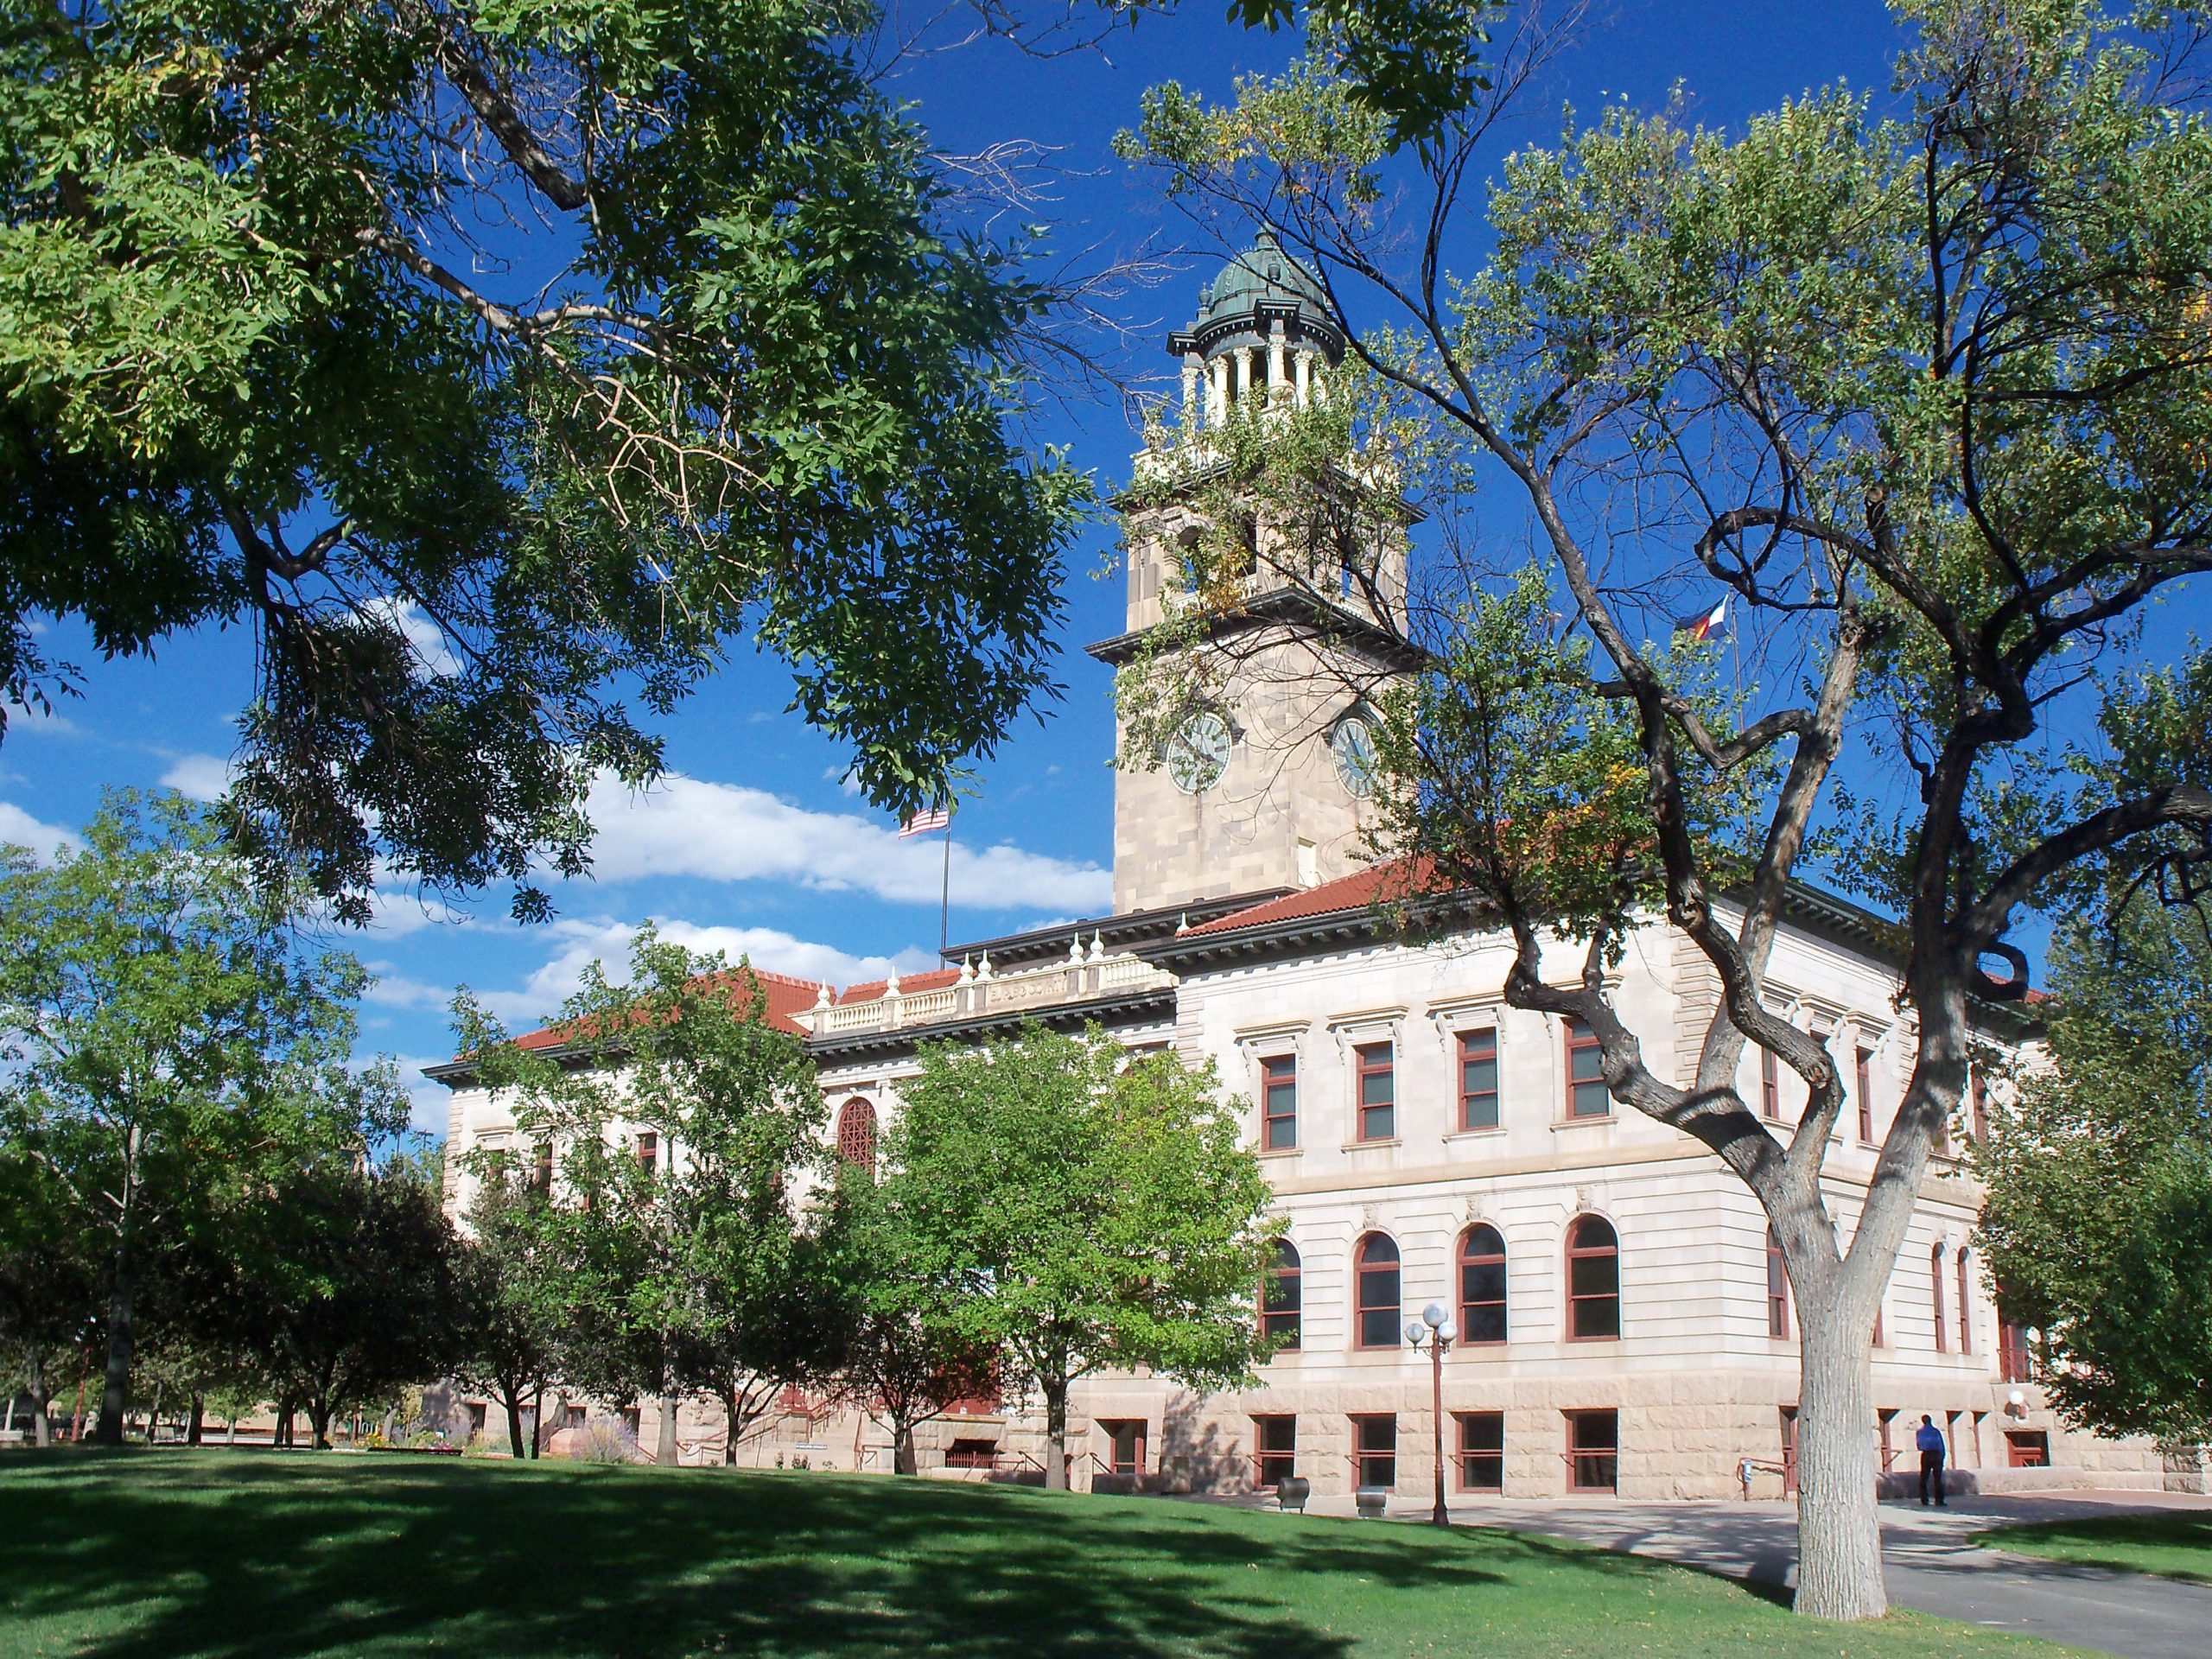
786	997
1401	878
936	980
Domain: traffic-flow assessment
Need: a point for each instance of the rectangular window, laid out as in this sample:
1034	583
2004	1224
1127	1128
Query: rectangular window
1279	1102
542	1180
1770	1086
648	1151
1884	1436
1978	1090
1866	1080
1586	1096
1478	1078
1126	1436
1482	1451
1593	1448
1378	1117
972	1453
1276	1460
1376	1456
1778	1288
2027	1448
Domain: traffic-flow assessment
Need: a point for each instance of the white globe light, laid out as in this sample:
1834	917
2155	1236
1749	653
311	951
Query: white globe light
1433	1316
2016	1398
1413	1333
1448	1332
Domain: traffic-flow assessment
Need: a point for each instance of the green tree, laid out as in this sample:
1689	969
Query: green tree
492	365
168	1040
1926	397
2099	1221
1076	1208
49	1281
346	1284
515	1287
691	1268
903	1357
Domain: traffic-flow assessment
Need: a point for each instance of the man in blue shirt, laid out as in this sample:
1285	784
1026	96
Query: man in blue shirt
1930	1440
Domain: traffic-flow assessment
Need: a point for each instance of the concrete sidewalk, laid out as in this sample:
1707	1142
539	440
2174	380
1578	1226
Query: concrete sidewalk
1932	1563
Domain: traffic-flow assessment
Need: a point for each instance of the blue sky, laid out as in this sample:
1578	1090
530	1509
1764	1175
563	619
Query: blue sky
751	845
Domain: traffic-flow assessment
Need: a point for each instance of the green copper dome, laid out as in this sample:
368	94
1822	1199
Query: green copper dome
1258	288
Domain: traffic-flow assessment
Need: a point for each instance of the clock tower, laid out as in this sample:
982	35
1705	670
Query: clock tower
1263	780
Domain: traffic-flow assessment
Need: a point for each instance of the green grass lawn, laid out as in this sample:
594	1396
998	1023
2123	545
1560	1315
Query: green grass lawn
172	1554
2174	1546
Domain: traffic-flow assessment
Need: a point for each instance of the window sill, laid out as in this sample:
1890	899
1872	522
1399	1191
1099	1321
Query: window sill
1583	1122
1369	1145
1490	1134
1277	1152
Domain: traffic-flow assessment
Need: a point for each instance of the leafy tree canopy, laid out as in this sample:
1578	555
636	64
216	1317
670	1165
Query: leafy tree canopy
2099	1221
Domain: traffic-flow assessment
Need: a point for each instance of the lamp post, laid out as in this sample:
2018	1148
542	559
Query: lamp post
1434	1330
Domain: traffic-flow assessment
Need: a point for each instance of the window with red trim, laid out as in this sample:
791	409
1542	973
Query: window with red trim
648	1151
542	1177
1769	1085
1593	1280
1482	1451
1378	1113
1593	1451
856	1134
1276	1438
1278	1101
1866	1080
1966	1304
1977	1091
1587	1094
1935	1292
1282	1296
1478	1078
1375	1459
1778	1288
2014	1363
1376	1274
1482	1286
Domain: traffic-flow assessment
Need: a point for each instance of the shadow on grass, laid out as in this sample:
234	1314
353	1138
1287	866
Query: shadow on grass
163	1555
2174	1546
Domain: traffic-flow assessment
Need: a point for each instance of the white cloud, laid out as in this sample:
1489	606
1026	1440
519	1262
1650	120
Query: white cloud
724	832
580	941
432	1101
18	827
29	717
202	776
425	638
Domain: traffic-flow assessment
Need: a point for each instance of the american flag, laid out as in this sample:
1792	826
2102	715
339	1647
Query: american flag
925	822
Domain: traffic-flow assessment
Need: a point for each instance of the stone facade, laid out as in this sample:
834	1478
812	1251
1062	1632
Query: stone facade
1695	1391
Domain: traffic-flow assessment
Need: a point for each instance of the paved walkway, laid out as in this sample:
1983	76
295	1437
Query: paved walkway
1932	1563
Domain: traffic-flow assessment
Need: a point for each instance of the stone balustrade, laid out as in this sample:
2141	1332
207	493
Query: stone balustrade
1080	975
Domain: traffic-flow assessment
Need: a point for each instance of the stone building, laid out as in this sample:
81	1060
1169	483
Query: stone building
1625	1326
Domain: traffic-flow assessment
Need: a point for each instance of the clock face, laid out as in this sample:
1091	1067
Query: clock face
1198	754
1353	743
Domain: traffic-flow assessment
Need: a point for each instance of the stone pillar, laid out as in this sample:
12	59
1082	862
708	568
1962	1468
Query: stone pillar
1278	364
1193	367
1248	359
1305	387
1217	391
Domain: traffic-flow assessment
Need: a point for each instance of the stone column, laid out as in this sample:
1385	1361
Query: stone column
1217	391
1248	358
1278	364
1303	393
1193	367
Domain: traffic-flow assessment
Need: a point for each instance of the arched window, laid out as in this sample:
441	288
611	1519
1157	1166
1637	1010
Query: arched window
1935	1294
1778	1288
1376	1273
856	1134
1593	1280
1966	1305
1282	1295
1482	1285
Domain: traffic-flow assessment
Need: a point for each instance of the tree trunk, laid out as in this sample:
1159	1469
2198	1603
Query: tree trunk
734	1425
511	1399
903	1460
538	1421
666	1455
195	1427
1839	1524
42	1419
154	1413
319	1422
115	1392
1056	1437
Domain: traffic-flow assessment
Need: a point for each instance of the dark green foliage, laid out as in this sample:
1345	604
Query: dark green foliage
2098	1224
495	364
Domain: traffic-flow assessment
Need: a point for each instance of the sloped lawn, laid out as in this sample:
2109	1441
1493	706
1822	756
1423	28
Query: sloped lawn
174	1554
